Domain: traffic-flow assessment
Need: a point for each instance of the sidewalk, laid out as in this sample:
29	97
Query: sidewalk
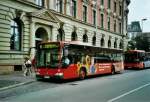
15	79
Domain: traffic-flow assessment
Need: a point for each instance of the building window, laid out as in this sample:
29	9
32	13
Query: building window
74	36
115	6
108	23
115	44
61	35
102	21
109	4
114	25
121	45
73	8
120	10
94	40
120	28
40	2
102	2
94	17
109	43
102	42
59	5
85	38
84	13
16	32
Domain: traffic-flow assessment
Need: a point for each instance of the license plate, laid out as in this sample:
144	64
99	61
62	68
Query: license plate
46	77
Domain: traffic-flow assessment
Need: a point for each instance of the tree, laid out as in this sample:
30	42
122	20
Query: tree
139	42
142	43
131	45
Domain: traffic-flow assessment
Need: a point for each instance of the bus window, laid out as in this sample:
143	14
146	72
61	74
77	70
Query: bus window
102	59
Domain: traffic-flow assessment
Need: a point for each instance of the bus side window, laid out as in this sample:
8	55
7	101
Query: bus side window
71	58
76	58
95	60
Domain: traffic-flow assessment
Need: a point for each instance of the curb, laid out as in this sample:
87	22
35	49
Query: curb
16	85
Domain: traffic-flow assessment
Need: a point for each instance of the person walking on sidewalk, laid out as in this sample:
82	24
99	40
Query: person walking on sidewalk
27	66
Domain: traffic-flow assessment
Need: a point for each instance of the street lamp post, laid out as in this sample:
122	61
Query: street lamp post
142	20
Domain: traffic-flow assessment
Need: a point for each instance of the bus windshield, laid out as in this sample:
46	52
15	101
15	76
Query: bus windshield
134	57
48	58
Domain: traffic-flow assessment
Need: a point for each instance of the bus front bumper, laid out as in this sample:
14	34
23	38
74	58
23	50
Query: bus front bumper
55	76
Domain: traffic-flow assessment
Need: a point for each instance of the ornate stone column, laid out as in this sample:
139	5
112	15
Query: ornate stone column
32	39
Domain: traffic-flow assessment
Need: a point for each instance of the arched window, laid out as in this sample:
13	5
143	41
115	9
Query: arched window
16	33
85	38
94	40
121	45
109	43
61	35
102	42
74	36
115	44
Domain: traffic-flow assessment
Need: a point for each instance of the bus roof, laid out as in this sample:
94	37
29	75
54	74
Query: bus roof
131	51
84	44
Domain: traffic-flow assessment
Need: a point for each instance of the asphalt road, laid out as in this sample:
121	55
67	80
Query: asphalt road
131	86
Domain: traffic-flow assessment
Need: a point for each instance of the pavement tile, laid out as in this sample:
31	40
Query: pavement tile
15	79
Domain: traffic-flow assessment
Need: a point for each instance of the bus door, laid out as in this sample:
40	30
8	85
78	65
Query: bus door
68	66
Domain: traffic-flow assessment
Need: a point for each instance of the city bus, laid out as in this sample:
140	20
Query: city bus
67	60
136	59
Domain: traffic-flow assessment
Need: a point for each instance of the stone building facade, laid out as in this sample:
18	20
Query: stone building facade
25	23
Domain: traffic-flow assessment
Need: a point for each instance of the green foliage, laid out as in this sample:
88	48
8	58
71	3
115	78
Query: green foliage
139	42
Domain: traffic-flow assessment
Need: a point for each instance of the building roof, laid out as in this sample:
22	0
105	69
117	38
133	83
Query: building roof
134	27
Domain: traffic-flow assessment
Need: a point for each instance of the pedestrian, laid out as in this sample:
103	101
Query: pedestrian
33	61
27	66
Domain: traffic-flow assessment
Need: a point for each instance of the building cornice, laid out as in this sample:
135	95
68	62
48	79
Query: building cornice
28	3
44	14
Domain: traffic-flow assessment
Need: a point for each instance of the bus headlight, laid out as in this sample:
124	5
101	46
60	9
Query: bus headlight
59	74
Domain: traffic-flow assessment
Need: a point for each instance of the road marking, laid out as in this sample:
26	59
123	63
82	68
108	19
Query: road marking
129	92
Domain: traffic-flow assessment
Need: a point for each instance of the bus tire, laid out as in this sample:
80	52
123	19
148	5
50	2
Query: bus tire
39	78
113	70
82	73
144	66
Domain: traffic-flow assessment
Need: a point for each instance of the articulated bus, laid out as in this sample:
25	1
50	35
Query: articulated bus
136	59
67	60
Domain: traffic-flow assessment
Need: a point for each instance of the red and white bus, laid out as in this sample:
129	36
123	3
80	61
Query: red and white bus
66	60
135	59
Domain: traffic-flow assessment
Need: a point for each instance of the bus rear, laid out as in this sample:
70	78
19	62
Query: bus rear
134	59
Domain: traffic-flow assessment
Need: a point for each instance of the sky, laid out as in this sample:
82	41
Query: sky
138	10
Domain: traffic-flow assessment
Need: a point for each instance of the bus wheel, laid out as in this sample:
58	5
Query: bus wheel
113	70
82	74
144	66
